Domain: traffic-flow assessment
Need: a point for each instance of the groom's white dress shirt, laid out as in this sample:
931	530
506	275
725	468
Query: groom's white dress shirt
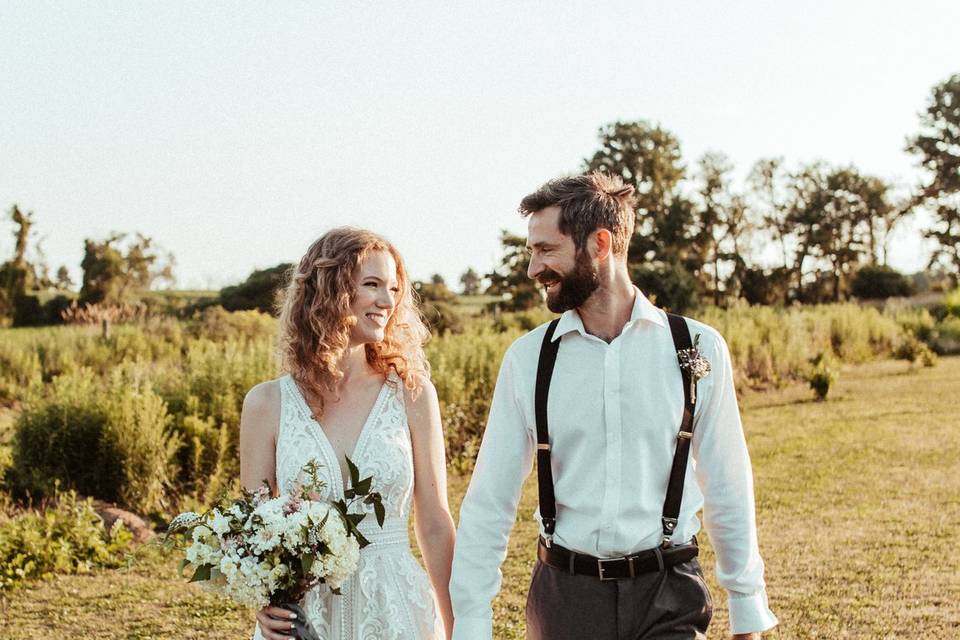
614	412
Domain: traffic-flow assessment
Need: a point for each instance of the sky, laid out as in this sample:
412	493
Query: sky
234	134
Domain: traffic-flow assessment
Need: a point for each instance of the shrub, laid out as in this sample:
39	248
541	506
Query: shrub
258	291
669	286
59	437
67	538
217	324
913	350
945	338
106	440
872	282
464	370
951	303
822	376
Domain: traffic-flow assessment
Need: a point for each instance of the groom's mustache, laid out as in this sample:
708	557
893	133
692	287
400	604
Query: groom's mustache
549	276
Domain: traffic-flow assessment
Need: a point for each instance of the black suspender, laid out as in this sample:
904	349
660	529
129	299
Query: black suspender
671	504
548	504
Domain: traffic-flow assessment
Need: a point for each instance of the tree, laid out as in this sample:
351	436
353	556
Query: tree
470	282
438	279
115	270
63	282
938	148
258	291
648	157
510	278
721	228
768	183
17	275
438	306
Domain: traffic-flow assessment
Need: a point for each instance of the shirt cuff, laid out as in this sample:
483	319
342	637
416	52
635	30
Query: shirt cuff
749	613
473	629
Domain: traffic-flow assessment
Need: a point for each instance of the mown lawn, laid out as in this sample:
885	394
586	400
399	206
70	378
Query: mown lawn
858	509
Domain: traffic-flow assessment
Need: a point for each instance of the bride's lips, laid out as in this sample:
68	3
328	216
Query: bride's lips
378	319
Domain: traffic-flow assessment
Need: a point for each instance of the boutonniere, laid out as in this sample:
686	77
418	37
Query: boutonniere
693	362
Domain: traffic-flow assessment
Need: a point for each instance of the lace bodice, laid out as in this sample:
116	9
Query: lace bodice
389	596
383	449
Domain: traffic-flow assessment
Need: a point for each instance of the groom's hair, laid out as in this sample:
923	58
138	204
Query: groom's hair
588	202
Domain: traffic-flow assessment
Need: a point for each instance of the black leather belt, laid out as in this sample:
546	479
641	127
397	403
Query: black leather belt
616	568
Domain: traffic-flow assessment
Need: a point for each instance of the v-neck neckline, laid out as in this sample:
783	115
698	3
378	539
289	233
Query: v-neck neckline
325	440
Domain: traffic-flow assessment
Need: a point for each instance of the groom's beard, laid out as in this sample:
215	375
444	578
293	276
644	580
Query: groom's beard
575	288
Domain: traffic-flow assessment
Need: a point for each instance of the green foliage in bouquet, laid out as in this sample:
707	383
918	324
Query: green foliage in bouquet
68	537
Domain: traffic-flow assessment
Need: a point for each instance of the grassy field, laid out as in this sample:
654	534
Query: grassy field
858	509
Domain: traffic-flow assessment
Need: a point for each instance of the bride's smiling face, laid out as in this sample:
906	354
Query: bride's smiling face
377	290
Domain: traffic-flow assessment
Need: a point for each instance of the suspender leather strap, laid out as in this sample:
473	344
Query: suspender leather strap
671	504
548	504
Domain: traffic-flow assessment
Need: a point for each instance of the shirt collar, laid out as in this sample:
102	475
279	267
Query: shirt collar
643	309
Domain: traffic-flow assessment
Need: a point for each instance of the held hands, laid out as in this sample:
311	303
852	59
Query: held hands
276	623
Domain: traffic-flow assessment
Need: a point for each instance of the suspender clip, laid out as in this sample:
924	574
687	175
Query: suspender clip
669	526
685	435
548	527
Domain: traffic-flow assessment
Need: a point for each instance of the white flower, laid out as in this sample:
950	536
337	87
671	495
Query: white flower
219	523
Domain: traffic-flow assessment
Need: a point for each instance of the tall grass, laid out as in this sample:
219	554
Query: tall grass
150	416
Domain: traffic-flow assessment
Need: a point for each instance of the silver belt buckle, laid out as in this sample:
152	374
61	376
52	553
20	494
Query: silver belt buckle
600	567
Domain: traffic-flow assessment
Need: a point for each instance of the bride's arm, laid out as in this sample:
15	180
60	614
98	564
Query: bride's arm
433	523
259	425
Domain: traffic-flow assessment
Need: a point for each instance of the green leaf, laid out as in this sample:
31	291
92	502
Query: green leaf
380	512
202	573
363	487
350	494
183	565
362	541
306	562
354	471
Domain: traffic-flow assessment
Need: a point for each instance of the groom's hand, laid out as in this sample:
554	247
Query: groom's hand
276	623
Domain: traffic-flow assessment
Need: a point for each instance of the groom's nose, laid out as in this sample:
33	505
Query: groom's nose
535	268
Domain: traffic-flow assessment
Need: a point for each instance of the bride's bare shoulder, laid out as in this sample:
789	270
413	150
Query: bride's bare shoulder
261	405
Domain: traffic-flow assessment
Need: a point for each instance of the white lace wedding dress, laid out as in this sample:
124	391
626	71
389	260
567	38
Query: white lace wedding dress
389	597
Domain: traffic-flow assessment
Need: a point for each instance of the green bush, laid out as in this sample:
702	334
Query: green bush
945	338
913	350
58	437
874	282
822	375
258	291
66	538
104	439
669	286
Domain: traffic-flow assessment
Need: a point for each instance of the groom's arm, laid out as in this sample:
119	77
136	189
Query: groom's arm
489	508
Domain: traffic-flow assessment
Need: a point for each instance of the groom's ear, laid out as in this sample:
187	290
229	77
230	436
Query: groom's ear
602	240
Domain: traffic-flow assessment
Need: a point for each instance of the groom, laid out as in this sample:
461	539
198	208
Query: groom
602	400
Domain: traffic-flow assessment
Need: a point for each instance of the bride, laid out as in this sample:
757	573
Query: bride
357	386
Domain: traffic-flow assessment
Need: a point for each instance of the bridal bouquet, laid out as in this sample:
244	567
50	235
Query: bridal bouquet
259	550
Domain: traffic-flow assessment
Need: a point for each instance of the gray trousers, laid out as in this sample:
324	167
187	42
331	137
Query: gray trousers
671	605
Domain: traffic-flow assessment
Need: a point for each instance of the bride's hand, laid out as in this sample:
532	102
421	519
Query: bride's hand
275	623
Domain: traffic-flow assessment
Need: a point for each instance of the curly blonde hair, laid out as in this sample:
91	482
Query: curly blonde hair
315	316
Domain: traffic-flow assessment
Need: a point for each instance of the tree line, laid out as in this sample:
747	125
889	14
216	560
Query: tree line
809	233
